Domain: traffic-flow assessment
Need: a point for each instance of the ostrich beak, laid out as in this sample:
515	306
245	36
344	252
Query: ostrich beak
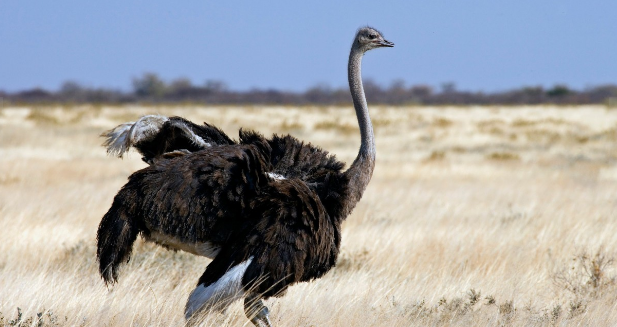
385	43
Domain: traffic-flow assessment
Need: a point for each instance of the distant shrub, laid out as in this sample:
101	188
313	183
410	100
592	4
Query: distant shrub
503	156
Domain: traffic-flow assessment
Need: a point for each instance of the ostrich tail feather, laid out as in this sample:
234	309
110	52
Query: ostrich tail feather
120	139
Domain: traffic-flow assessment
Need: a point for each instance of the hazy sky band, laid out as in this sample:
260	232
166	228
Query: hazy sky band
479	45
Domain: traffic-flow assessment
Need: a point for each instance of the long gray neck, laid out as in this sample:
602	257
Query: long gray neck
354	75
361	170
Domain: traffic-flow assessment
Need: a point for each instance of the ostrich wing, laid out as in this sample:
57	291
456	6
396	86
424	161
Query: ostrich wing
154	135
199	197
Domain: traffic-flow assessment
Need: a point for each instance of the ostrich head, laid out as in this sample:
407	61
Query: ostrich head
369	38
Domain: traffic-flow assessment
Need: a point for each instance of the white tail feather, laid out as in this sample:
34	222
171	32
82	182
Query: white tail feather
120	139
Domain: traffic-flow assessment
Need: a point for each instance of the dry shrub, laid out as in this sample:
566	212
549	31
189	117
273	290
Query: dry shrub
436	155
60	116
342	128
587	276
327	125
8	179
494	131
442	122
488	124
351	261
43	318
381	122
43	116
542	136
523	123
288	126
503	156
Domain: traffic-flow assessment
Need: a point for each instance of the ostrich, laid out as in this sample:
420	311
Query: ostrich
268	212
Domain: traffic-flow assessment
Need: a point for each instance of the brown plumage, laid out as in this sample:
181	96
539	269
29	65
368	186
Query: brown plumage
267	211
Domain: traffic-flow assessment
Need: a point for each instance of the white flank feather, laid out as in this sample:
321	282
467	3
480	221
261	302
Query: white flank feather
219	294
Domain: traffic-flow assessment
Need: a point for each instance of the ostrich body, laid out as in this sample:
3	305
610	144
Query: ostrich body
267	211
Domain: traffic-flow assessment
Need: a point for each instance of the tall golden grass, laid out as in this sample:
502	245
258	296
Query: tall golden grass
478	216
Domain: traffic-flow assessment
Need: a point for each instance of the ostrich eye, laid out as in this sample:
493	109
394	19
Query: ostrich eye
372	36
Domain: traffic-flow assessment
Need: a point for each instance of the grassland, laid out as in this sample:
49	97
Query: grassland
478	216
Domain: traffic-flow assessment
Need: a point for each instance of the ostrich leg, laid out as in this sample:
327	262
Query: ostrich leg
256	311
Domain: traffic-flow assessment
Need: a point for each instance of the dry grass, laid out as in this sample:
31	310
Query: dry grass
451	231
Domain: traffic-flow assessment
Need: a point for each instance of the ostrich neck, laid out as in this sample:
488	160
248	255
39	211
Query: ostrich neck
361	170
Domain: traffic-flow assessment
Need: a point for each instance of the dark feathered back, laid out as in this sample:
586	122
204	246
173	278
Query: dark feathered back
321	171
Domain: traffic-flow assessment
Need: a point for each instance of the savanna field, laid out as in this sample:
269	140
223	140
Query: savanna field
475	216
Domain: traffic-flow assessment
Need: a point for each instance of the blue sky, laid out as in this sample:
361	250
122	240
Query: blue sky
292	45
